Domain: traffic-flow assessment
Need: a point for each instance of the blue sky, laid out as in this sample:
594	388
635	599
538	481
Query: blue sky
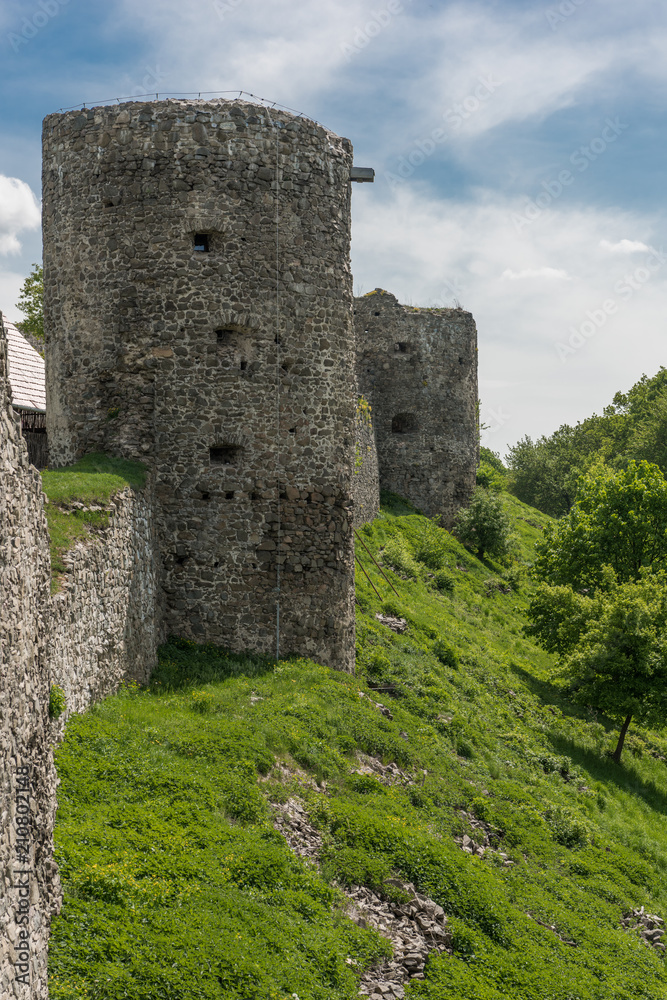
519	150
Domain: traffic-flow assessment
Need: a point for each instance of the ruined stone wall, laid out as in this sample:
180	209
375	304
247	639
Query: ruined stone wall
29	889
105	619
366	485
418	369
239	395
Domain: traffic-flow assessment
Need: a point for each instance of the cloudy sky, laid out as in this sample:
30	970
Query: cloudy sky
519	150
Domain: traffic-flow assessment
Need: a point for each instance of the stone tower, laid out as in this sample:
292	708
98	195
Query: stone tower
198	316
418	369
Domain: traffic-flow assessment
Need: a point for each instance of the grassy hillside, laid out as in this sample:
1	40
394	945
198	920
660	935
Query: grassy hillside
178	885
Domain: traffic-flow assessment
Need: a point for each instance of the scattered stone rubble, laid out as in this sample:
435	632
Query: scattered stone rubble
382	708
650	927
415	928
395	624
291	819
485	838
388	774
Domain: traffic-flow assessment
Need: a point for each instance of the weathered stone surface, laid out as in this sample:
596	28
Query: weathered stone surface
418	369
29	889
100	629
105	620
366	483
229	370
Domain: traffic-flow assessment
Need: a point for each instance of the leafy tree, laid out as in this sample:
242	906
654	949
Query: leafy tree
613	646
492	458
544	472
484	524
648	439
619	519
31	303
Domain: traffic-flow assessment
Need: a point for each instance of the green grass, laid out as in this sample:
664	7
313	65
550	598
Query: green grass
94	479
176	884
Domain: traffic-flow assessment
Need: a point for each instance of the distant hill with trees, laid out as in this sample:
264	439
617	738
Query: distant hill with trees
544	472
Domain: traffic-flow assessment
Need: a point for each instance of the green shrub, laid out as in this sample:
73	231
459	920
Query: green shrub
202	702
57	702
430	547
490	478
397	555
566	827
484	525
446	654
443	582
376	664
392	608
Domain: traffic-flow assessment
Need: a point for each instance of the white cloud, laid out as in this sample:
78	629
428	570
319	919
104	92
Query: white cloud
10	288
19	210
536	272
431	251
282	50
625	246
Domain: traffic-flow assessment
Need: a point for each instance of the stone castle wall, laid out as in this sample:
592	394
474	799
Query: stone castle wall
366	484
101	628
418	369
29	891
228	369
105	620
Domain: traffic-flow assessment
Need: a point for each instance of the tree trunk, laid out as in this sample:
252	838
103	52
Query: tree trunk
621	740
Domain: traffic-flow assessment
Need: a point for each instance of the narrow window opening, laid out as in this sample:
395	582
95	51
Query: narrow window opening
229	495
206	496
254	497
225	454
404	423
244	365
376	314
202	243
224	336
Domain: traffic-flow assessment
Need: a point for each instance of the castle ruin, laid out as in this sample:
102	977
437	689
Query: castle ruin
198	316
418	370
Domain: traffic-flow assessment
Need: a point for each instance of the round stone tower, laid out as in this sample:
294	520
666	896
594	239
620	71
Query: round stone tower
418	369
198	316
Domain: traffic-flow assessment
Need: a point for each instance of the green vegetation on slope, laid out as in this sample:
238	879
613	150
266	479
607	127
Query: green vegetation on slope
92	480
177	885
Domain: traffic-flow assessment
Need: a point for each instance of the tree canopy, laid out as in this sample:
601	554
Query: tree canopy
618	519
545	472
484	524
31	303
613	645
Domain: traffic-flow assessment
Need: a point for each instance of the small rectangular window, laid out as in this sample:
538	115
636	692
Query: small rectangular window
224	336
202	242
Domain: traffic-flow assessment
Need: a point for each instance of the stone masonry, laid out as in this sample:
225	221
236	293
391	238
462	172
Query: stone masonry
366	483
28	877
198	315
418	369
105	620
